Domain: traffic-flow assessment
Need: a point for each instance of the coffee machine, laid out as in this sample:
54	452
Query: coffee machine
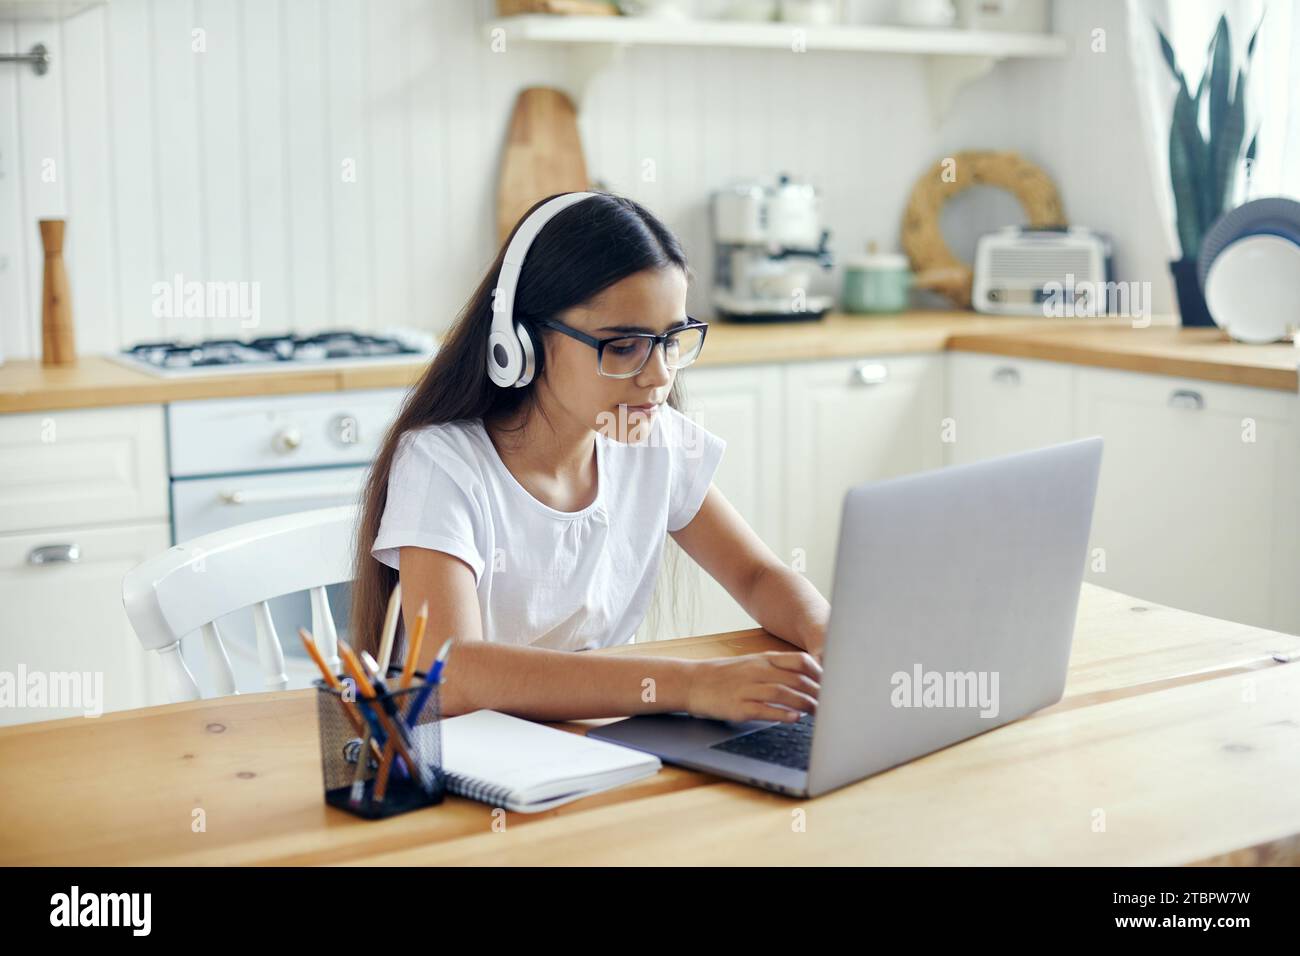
767	244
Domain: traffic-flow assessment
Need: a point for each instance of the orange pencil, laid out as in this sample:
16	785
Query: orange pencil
408	672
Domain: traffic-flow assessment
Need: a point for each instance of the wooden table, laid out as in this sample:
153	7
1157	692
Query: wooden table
1177	741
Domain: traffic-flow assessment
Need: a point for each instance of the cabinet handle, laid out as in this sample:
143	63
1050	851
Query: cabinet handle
54	554
869	373
1007	374
275	495
1186	398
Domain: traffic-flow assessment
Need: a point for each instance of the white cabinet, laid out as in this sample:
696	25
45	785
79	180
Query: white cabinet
85	499
743	405
846	422
64	625
1001	405
1196	506
67	469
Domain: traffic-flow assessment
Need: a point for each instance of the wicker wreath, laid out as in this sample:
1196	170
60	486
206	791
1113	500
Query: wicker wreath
933	262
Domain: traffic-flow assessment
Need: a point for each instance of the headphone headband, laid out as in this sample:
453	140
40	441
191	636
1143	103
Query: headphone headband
511	351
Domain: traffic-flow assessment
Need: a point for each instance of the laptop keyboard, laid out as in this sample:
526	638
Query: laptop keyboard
787	745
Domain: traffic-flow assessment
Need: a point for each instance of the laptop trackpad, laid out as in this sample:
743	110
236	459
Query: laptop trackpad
672	734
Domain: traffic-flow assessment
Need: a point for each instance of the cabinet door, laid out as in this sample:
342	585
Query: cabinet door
1192	505
1001	405
62	469
847	422
66	617
743	406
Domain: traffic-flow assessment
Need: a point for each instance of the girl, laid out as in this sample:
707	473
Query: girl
526	486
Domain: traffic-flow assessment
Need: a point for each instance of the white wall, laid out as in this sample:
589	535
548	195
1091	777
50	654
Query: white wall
226	164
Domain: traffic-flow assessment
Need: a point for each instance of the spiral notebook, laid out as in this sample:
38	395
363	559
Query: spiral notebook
527	767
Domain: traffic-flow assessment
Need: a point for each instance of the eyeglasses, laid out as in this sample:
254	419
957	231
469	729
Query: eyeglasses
625	355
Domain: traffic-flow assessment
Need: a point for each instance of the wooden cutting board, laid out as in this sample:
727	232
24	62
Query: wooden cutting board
543	155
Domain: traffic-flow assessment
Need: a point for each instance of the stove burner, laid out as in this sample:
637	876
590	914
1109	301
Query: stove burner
274	349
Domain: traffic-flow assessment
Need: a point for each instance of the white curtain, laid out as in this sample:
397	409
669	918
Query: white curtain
1273	87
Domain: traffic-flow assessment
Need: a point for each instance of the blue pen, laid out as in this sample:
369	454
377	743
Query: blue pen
435	677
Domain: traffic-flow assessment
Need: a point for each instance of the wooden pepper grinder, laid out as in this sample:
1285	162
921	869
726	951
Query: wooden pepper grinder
58	342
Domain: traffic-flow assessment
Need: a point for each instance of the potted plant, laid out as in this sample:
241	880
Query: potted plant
1204	158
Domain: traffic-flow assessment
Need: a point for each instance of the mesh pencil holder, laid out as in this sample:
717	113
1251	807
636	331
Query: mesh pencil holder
403	770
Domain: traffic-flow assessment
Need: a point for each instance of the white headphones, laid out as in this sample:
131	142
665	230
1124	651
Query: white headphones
512	358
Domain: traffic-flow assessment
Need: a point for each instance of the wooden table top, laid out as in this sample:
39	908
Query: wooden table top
1177	742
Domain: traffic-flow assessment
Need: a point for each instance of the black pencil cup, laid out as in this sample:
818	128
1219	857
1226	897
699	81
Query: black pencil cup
364	771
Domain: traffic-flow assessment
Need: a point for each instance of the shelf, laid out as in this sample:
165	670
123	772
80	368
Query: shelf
541	28
28	10
954	57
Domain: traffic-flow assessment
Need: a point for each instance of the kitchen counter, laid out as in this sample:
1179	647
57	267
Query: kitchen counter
1164	348
1155	731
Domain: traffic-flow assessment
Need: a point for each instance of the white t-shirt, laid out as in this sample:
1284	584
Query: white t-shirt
547	578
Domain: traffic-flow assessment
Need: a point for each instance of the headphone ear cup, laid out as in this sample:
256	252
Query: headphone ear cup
530	352
504	365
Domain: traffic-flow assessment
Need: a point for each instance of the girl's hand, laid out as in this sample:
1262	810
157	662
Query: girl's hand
755	686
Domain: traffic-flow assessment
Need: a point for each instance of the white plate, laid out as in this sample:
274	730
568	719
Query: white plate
1253	289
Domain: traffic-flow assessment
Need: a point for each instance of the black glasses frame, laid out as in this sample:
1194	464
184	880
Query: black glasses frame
599	344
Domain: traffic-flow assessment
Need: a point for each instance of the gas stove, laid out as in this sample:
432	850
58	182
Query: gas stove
277	353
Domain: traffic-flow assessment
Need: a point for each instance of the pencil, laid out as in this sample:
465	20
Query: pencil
367	689
390	629
408	672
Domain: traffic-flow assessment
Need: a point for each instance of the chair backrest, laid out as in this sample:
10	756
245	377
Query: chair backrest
189	586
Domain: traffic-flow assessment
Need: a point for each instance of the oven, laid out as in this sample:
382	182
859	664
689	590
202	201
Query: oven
233	461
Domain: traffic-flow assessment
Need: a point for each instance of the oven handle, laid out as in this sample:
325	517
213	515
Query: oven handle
247	497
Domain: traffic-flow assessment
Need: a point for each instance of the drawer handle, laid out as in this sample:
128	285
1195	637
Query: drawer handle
54	554
1186	398
1007	375
869	373
274	495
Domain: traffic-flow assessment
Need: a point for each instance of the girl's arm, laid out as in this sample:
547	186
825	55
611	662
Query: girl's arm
541	684
535	683
782	601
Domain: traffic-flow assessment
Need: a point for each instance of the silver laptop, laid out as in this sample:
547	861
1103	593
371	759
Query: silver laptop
952	613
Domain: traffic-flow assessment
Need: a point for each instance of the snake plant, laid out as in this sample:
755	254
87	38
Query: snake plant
1203	168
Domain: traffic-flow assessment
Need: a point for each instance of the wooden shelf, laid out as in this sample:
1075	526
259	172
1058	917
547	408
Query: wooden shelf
540	28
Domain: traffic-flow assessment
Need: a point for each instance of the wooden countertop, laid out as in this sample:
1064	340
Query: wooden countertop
1156	730
1164	348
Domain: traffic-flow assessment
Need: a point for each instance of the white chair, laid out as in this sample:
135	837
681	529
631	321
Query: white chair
189	586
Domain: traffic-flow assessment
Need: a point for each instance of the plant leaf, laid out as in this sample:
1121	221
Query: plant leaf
1221	74
1187	173
1168	52
1227	150
1250	47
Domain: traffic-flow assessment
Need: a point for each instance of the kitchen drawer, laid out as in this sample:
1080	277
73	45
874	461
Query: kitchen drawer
280	432
65	617
91	467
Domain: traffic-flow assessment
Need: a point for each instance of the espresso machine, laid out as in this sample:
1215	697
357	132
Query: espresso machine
767	245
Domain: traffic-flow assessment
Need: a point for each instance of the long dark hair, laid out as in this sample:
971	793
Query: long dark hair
579	253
